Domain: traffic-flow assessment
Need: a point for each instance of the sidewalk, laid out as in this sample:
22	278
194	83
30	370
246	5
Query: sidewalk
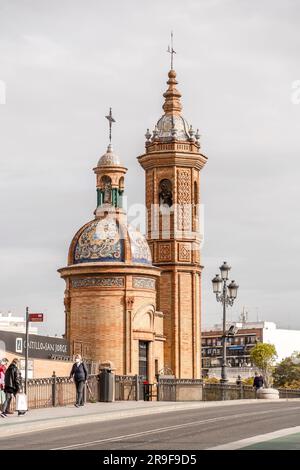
51	418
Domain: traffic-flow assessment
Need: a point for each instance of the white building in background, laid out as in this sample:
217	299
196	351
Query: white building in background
10	322
285	341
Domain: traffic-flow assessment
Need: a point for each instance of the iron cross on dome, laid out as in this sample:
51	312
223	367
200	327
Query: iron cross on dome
110	120
171	50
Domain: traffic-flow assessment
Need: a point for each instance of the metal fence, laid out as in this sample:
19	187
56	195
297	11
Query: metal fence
197	390
179	389
191	390
58	391
289	393
126	387
217	392
134	387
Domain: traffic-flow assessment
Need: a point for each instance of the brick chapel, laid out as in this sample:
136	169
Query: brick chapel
136	301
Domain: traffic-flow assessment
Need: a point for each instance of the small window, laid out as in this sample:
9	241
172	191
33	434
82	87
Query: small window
196	198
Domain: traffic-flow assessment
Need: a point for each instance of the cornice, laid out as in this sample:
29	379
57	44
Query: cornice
172	158
85	269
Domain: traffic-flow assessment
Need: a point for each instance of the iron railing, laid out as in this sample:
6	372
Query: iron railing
58	391
217	392
179	389
127	387
134	387
289	393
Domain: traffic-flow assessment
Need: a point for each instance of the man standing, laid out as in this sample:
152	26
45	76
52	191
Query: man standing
258	381
11	385
80	374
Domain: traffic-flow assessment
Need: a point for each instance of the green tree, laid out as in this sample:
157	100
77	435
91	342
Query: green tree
287	372
263	355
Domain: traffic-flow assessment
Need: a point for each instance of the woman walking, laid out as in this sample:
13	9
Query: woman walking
3	367
12	385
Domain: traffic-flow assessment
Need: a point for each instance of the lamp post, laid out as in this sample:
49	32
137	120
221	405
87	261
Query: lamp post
226	293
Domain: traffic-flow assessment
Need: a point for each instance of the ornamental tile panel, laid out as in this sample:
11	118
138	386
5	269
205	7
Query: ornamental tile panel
98	282
184	252
143	283
164	252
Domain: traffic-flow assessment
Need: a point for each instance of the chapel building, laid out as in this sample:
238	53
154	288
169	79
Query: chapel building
136	301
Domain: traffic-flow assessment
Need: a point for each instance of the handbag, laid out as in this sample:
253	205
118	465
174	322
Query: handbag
2	397
21	402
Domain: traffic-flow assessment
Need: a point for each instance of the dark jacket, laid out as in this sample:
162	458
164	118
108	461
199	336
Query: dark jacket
258	381
79	372
12	383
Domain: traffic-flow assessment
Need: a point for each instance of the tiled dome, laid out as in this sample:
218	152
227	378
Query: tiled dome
109	158
104	240
170	126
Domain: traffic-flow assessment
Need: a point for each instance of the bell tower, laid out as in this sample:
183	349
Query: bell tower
172	162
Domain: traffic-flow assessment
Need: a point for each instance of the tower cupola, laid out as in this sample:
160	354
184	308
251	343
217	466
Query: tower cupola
109	177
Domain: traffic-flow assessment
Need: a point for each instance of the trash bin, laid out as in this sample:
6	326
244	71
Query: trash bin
107	385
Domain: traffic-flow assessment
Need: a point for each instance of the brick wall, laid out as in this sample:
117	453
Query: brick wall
44	368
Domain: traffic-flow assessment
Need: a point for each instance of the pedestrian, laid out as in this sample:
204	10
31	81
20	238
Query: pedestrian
3	367
12	385
258	381
239	380
80	374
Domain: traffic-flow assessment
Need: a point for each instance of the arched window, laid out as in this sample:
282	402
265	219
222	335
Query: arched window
121	184
165	193
106	188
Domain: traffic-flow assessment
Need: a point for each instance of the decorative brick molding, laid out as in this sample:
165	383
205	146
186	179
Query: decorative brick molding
159	314
184	252
151	246
98	282
129	303
164	252
143	283
184	199
184	186
196	250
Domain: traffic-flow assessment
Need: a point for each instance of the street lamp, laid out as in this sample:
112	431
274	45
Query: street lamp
226	294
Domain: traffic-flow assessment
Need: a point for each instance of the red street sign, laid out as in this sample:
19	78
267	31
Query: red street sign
33	317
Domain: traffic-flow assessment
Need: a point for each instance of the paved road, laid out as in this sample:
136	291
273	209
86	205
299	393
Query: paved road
190	429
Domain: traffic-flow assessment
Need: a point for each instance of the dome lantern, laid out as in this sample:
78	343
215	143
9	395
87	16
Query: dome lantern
109	176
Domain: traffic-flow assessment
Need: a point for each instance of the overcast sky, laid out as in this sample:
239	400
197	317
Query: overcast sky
64	62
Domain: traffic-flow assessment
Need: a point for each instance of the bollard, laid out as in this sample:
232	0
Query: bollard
54	389
137	390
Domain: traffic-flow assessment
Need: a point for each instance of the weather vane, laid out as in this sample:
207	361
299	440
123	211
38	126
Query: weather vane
110	120
171	50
